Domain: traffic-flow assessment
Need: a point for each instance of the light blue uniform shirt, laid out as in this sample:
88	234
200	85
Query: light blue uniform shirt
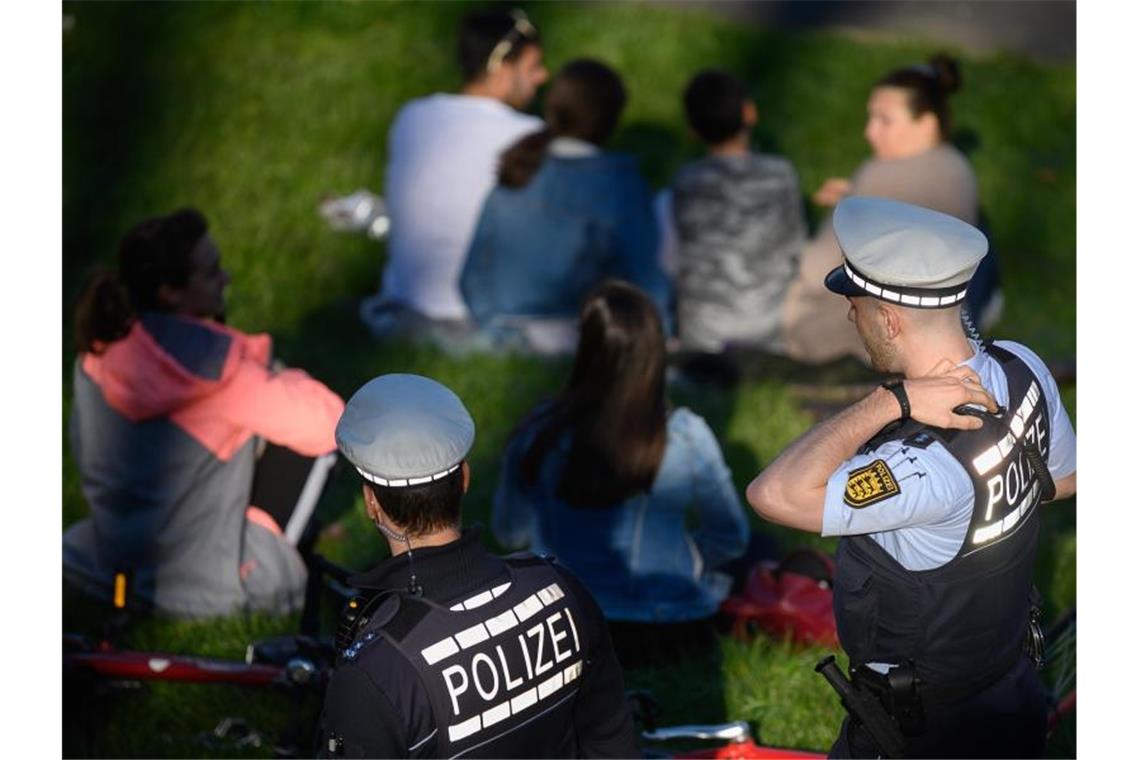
924	524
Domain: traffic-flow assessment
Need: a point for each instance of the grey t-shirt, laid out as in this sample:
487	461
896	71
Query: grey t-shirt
740	227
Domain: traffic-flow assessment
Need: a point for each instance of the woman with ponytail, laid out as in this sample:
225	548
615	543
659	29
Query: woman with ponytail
200	459
633	497
565	215
908	127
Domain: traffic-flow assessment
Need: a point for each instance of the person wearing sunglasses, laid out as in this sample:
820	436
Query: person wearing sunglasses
443	151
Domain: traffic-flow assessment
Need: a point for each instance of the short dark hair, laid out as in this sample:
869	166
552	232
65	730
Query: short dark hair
714	102
482	31
928	87
422	509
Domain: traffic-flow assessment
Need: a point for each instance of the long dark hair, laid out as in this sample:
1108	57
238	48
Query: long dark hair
153	253
928	87
614	404
585	100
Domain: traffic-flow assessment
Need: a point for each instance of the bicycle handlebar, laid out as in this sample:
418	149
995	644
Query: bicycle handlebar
737	731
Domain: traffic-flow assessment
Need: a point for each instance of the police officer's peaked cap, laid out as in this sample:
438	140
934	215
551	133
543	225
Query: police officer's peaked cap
404	430
905	254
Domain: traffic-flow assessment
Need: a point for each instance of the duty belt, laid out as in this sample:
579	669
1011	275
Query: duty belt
906	697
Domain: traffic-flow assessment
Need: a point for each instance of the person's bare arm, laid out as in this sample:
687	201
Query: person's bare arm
791	490
832	191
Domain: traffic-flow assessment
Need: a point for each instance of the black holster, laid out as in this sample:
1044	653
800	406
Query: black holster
897	690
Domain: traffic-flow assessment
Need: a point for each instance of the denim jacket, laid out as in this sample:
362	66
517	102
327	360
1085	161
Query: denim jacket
538	249
638	558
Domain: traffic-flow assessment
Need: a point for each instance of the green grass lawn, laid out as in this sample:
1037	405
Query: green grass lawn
254	112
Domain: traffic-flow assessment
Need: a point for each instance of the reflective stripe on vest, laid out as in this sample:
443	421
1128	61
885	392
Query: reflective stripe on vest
498	660
962	622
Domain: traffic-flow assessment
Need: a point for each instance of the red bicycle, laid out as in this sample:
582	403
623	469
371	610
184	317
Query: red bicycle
296	666
737	742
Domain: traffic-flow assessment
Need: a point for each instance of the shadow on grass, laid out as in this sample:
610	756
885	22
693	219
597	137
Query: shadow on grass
657	147
689	691
115	122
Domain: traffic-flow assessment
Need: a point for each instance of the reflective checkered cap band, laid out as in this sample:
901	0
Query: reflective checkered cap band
915	297
404	482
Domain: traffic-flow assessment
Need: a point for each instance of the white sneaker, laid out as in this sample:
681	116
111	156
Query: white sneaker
362	211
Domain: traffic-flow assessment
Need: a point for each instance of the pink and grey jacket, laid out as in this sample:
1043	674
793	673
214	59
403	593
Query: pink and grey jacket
164	429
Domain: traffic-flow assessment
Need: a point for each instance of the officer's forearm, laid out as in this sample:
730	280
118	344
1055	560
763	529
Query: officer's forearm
791	490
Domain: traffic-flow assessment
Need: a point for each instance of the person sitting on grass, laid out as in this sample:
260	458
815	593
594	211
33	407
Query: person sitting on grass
442	153
739	225
606	477
565	216
908	126
201	458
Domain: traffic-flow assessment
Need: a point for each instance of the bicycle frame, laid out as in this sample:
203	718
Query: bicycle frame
159	666
297	665
289	660
740	744
737	742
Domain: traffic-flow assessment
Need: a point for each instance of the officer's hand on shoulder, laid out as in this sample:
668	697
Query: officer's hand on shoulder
934	397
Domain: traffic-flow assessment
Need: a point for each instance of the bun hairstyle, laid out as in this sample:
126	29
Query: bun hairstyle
153	253
584	101
928	87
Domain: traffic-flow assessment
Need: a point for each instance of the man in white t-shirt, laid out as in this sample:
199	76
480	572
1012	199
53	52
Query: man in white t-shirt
443	153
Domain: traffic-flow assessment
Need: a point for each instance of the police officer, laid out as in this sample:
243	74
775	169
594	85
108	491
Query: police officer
457	651
937	504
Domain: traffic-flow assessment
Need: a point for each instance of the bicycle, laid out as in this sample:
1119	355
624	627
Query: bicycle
736	740
297	666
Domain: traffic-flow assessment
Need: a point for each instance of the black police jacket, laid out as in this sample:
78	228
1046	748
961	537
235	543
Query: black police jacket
499	657
962	624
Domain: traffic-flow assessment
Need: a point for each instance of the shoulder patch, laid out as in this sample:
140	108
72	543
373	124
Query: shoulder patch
869	485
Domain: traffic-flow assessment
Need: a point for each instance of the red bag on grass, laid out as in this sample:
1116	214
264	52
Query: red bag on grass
789	599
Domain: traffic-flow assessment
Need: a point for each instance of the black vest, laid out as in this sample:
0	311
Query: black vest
963	624
501	668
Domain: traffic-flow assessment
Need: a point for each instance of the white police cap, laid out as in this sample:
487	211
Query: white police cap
903	253
404	430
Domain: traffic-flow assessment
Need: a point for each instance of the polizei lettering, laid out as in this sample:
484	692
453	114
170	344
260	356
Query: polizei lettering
509	662
1013	489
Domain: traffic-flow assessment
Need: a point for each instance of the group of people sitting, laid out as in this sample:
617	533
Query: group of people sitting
501	222
202	456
